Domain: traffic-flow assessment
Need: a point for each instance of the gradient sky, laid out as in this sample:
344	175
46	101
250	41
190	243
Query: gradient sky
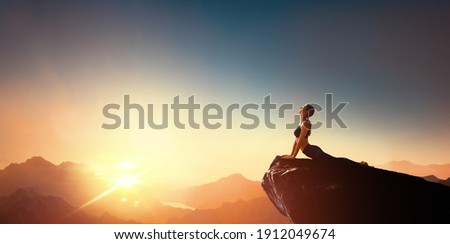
62	61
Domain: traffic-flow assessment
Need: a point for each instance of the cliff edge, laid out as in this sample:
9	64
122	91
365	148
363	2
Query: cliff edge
342	191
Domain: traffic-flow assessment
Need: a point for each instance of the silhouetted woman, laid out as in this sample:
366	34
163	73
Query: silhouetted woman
302	132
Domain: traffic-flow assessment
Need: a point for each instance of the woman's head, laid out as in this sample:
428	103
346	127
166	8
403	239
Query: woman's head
306	110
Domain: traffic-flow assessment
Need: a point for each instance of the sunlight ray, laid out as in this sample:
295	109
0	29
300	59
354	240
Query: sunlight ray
111	190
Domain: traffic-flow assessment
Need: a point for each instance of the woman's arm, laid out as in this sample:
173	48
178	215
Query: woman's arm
296	147
293	148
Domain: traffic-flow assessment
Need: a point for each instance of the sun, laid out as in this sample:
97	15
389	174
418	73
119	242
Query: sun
130	175
126	165
127	181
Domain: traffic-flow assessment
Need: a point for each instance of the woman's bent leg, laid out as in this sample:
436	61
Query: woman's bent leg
316	152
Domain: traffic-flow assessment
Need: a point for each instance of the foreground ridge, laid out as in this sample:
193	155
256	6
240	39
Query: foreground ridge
343	191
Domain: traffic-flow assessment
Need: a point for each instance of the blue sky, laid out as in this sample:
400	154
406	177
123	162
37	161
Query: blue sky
388	59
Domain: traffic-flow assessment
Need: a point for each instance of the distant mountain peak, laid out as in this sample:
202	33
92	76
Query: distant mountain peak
227	189
431	178
441	171
28	192
236	176
400	162
68	164
37	160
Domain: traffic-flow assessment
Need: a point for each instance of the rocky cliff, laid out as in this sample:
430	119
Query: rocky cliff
343	191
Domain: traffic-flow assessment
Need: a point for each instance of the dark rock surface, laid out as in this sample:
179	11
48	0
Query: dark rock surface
343	191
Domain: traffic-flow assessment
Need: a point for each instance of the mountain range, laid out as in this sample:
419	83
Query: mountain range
432	178
441	171
228	189
254	211
37	191
27	206
73	182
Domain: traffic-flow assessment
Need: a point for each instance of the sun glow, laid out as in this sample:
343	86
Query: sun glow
127	181
124	181
126	165
128	178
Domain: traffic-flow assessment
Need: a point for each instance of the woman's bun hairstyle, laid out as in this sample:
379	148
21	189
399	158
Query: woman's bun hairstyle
310	110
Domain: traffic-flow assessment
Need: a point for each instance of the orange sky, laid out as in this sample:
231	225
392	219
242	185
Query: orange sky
51	124
61	64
